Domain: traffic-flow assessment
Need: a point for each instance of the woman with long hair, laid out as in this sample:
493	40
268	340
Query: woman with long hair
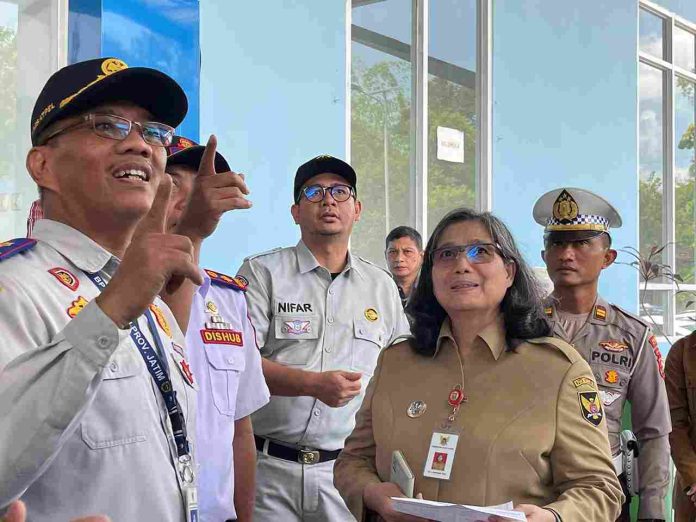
483	407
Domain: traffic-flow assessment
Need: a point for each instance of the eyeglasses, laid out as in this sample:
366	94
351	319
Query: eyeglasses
118	128
476	253
340	193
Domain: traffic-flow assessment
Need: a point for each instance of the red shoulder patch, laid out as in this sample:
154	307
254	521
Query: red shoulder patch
658	355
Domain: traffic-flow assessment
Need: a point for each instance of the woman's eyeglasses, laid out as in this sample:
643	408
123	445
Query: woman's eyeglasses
476	253
118	128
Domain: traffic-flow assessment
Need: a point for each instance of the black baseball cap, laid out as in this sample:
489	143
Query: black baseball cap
321	165
80	86
184	151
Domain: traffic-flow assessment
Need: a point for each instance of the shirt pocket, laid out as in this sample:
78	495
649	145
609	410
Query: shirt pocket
120	414
296	338
368	340
225	365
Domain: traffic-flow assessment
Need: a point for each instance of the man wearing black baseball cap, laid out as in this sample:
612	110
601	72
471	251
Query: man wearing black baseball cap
219	337
322	316
95	402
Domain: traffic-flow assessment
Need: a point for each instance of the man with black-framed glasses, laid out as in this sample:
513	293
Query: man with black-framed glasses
619	347
97	401
322	315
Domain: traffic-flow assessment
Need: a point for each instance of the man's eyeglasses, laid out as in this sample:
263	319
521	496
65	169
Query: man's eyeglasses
476	253
316	193
118	128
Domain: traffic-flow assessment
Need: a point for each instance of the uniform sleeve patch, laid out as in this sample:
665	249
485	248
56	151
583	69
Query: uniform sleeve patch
591	407
658	355
218	279
583	381
15	246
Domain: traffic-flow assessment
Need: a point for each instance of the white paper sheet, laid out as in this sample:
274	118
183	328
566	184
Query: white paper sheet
445	512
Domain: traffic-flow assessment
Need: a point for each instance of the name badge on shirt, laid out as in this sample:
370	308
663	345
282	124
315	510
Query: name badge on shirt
191	500
440	458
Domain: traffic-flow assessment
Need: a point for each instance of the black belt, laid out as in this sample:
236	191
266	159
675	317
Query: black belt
301	455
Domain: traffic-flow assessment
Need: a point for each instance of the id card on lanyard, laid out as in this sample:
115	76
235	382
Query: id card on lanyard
158	371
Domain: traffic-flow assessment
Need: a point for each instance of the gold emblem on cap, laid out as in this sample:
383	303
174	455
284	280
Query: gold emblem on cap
371	315
416	409
565	208
113	65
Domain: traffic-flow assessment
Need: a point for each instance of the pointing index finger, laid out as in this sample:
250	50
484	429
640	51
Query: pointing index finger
155	221
207	165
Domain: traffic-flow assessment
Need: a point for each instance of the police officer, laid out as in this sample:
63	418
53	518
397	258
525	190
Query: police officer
96	406
220	340
619	347
322	315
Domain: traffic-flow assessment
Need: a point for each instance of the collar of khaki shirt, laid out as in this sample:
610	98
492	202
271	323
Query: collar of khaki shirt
307	262
492	336
72	244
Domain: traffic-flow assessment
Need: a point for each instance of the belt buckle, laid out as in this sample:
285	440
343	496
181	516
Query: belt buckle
308	456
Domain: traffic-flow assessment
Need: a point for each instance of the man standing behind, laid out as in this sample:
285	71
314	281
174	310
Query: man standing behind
404	252
618	346
220	341
322	315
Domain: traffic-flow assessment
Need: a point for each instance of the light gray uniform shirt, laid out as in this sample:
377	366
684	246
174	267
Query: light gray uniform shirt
306	320
83	428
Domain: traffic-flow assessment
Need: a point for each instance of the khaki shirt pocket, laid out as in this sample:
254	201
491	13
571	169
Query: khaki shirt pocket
225	365
119	415
290	332
368	340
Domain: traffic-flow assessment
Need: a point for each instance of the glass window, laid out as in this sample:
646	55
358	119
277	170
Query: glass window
651	34
380	119
684	49
667	168
386	132
32	46
452	126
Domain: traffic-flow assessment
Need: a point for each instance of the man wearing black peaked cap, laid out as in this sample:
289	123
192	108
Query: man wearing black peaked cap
97	401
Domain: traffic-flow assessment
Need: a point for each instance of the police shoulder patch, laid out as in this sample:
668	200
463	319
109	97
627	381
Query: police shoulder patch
15	246
237	283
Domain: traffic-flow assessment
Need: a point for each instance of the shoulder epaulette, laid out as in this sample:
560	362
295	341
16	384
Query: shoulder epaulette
265	253
566	349
218	279
15	246
368	262
631	317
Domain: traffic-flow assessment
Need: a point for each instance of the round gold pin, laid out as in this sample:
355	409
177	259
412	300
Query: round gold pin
416	409
371	314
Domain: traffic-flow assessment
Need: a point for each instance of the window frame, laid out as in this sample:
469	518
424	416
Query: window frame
670	73
418	162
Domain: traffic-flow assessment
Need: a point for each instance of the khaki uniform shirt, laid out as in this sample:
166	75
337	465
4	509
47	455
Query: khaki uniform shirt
525	434
83	428
306	320
680	372
627	365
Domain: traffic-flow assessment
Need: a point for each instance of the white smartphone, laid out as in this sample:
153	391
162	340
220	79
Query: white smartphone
401	474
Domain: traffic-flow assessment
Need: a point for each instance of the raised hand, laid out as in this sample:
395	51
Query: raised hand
213	195
153	259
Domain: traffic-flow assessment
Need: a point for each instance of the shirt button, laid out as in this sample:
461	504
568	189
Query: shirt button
362	331
317	413
113	366
331	291
230	360
327	349
103	341
330	319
